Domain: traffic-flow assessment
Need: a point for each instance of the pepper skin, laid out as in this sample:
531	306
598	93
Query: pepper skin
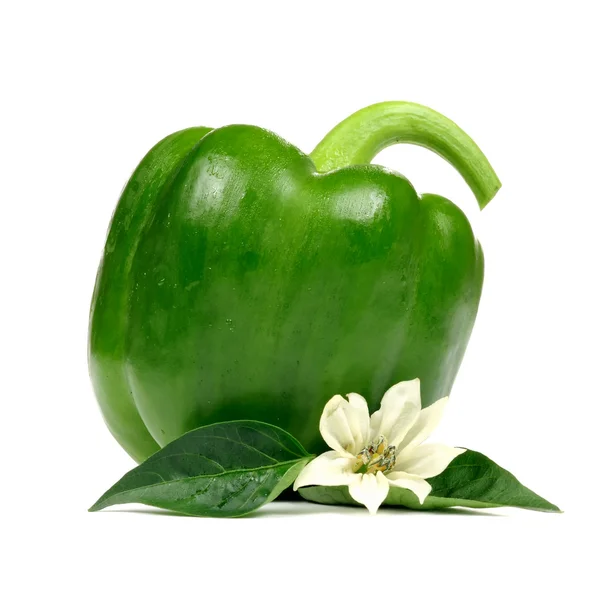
243	279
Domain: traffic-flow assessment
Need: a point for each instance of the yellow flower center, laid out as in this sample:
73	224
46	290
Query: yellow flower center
377	456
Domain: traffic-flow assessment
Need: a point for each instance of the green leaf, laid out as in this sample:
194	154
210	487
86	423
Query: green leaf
222	470
471	480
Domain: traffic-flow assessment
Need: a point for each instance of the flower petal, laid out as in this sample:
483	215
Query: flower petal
360	420
327	469
400	407
417	485
344	424
428	419
334	427
370	490
428	460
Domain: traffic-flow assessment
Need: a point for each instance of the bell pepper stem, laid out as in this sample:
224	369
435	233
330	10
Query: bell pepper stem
360	137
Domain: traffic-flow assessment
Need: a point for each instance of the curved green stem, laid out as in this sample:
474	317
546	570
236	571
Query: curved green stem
361	136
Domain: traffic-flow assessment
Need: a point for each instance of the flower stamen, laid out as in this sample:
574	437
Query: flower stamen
377	456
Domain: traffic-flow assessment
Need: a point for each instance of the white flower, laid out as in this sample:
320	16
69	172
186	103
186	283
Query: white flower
371	454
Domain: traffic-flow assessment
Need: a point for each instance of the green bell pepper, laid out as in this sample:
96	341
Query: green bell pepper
243	279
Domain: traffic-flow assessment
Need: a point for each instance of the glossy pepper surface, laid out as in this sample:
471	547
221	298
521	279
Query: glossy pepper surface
244	279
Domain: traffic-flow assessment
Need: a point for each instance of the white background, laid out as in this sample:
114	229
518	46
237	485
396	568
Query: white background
89	87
